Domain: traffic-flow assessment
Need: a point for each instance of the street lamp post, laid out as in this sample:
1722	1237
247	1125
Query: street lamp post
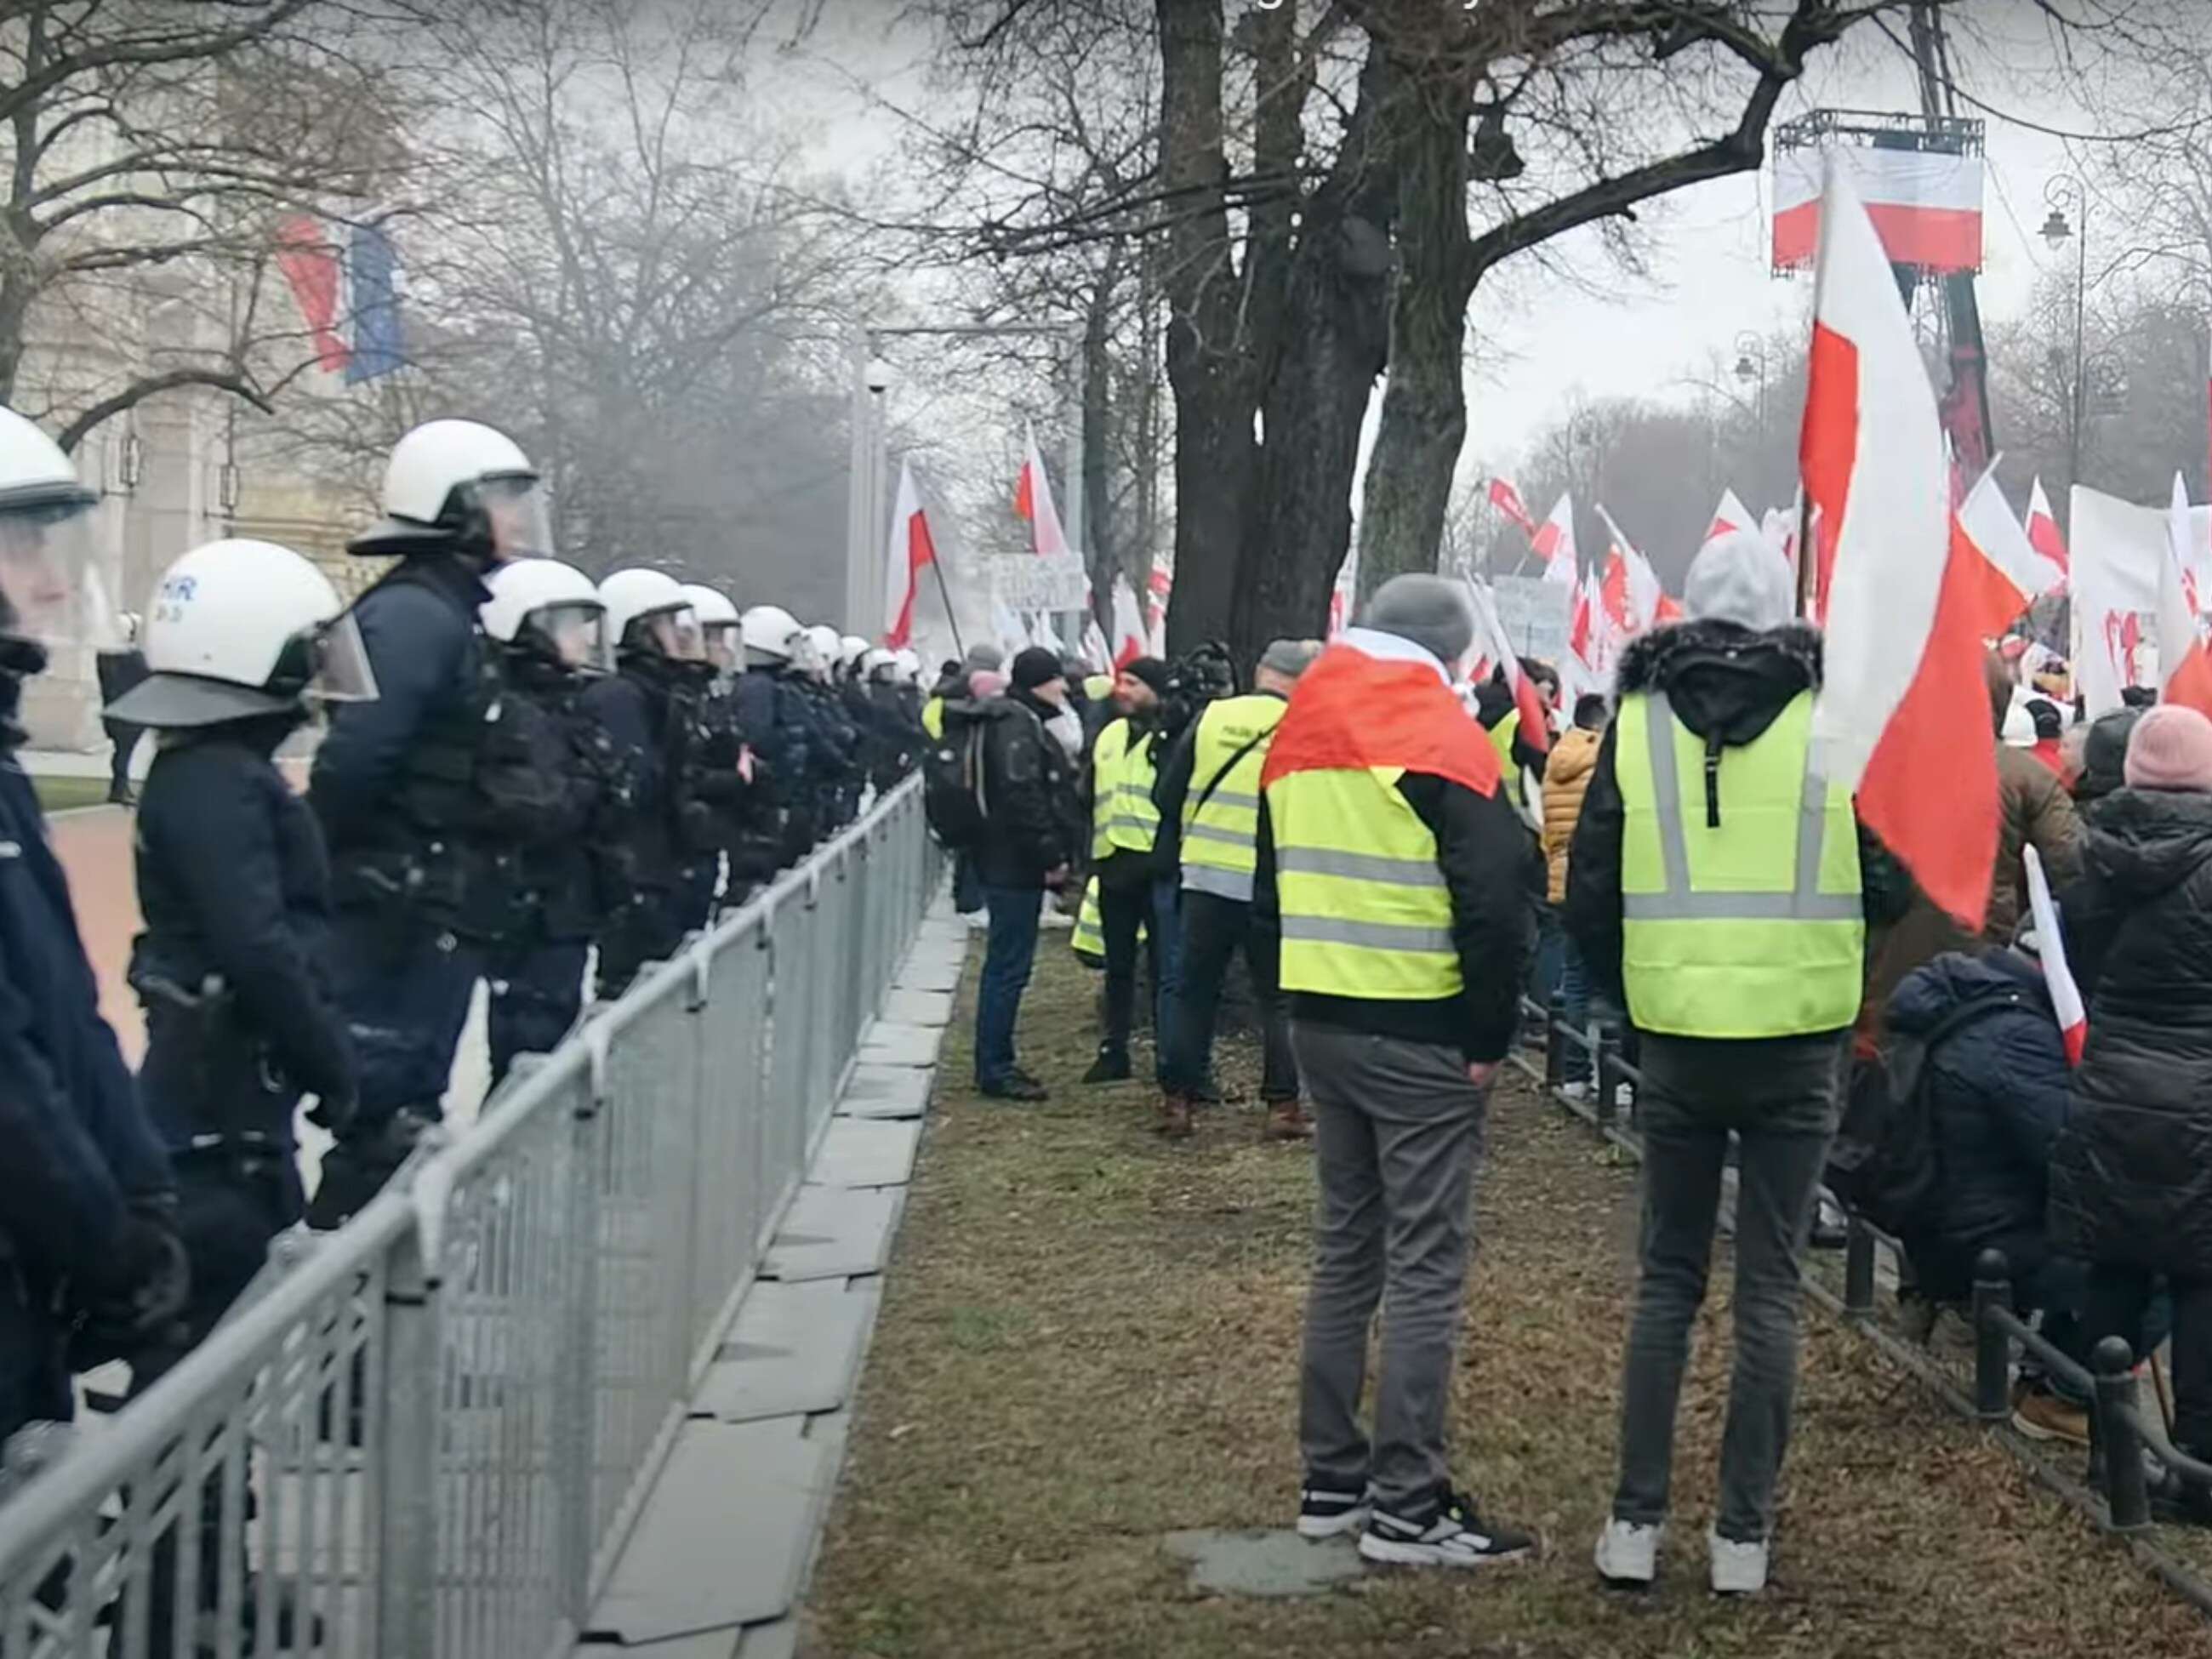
1750	364
2056	195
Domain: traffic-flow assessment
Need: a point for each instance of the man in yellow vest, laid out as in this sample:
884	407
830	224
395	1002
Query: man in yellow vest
1401	880
1133	861
1717	881
1210	786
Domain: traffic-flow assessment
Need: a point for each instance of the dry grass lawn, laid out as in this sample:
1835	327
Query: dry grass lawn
1088	1341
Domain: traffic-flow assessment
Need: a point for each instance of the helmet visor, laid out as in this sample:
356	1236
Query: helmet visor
340	671
674	633
576	632
521	522
723	641
50	587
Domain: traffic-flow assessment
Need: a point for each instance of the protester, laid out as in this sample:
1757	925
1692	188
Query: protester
2050	735
1132	855
2104	759
2131	1182
1397	878
1567	782
1689	836
1210	786
1028	838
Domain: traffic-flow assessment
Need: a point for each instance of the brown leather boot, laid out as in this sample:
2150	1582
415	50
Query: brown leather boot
1286	1121
1174	1117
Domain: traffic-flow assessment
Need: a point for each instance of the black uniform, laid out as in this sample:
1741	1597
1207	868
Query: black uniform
570	876
836	752
645	710
896	715
773	712
726	772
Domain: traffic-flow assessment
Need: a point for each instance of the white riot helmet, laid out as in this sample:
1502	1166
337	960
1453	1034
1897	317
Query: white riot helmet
647	612
908	663
851	648
719	627
550	610
240	628
879	665
50	593
772	635
820	649
463	487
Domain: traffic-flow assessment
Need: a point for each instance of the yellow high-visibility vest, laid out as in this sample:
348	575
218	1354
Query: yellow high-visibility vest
1098	687
1221	831
1752	927
1122	816
1501	739
933	718
1365	912
1088	939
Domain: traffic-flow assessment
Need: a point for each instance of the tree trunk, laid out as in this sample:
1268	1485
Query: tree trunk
1207	364
1424	424
1111	548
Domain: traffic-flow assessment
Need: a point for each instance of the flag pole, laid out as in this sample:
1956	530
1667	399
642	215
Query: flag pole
952	621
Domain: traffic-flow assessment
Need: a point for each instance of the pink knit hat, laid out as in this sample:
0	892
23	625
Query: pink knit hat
2171	749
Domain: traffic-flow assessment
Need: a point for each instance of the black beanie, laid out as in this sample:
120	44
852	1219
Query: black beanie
1151	670
1034	667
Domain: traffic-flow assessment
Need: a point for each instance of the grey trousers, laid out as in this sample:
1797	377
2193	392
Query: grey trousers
1398	1134
1782	1099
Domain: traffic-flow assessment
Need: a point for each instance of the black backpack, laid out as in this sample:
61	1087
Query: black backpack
952	783
1885	1164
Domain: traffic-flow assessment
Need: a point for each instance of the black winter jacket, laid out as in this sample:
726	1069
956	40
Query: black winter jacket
2131	1180
1725	683
1031	814
233	884
1996	1089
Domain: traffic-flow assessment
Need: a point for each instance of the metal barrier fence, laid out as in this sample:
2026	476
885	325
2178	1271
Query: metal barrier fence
430	1434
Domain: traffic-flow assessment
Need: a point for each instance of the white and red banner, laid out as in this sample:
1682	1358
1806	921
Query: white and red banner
1129	638
2050	947
1904	683
2042	528
1926	208
1492	643
2118	554
1553	541
2012	576
913	550
2185	671
1159	585
1730	515
1507	500
1033	503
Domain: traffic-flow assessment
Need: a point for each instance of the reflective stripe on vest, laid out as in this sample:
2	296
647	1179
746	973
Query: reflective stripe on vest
1365	912
1122	816
1751	928
1088	941
1501	738
1220	837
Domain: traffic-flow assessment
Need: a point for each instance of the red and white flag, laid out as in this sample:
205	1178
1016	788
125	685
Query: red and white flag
1507	500
1095	649
1925	206
1730	515
1374	700
1129	641
1644	597
2185	670
2050	948
2012	576
1904	688
2042	530
913	550
1160	585
1033	502
1492	641
1553	541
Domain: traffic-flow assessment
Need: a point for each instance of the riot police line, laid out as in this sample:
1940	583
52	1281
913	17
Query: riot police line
520	768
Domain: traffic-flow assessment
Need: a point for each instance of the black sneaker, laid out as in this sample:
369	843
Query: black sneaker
1109	1067
1451	1535
1326	1514
1015	1085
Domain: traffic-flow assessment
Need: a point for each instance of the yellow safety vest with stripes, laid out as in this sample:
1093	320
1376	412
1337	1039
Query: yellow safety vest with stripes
1221	813
1501	739
1741	907
1123	818
933	718
1365	912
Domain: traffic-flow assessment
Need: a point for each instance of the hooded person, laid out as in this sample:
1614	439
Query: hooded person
2104	758
1718	883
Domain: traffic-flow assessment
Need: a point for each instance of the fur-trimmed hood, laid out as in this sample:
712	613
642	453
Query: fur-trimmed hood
1723	681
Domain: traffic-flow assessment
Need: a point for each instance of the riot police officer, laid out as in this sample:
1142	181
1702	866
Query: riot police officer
839	769
88	1240
421	793
648	708
772	707
548	626
899	738
723	769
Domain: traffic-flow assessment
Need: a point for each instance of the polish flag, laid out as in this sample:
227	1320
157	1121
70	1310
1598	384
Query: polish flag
1095	649
2012	574
1374	700
2185	670
1507	500
1491	640
1033	502
1130	642
1161	584
1730	515
912	549
2050	946
1901	719
1644	593
1553	543
2042	530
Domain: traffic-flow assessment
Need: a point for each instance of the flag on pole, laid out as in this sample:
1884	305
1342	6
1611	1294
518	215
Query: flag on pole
1033	502
2050	947
911	549
1491	640
1553	541
2042	530
1161	584
1641	592
1096	651
1130	642
1507	500
1730	515
2185	670
2011	574
1903	685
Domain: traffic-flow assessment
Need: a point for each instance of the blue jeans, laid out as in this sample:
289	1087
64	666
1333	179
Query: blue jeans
1007	959
1546	964
1120	910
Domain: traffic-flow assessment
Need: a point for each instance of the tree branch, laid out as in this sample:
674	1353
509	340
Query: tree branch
173	380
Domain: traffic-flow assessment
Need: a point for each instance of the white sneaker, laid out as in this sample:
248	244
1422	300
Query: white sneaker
1628	1552
1577	1092
1738	1569
1454	1535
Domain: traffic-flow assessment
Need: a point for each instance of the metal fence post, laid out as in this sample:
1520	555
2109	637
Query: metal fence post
574	1439
1555	1040
1604	1078
1992	1342
2127	1496
1858	1267
407	1527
